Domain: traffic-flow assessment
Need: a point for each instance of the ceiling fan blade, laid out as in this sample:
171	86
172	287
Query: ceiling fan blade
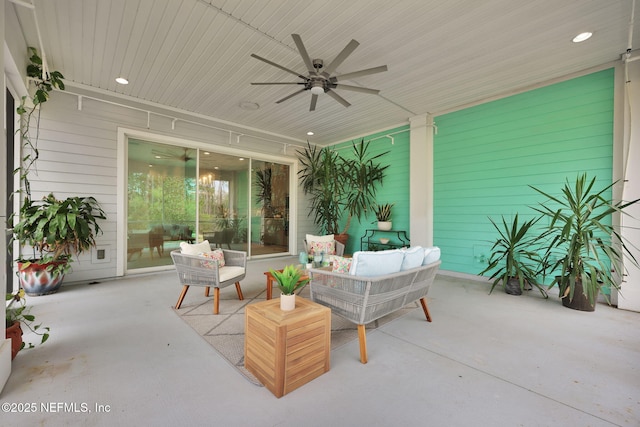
360	73
303	52
278	66
358	89
314	101
337	97
278	83
348	49
290	96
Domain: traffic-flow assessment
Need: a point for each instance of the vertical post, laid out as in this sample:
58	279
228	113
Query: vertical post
421	180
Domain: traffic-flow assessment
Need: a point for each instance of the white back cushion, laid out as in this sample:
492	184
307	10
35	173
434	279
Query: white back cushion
431	254
312	238
196	248
413	257
368	263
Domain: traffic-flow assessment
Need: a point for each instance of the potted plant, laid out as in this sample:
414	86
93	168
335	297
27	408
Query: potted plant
514	260
17	313
55	230
383	216
289	281
339	185
583	246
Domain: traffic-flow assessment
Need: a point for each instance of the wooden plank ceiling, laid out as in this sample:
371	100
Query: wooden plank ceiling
194	55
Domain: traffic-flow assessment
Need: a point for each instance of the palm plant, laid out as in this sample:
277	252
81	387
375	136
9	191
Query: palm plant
514	260
338	184
589	247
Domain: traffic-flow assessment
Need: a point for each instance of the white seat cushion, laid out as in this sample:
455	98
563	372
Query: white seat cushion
229	272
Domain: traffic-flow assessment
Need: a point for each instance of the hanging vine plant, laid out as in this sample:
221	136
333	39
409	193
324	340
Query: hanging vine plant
29	110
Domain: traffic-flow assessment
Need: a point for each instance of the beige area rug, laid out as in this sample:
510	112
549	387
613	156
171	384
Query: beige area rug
225	331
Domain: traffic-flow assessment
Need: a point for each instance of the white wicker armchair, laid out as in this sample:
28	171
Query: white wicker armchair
192	272
362	299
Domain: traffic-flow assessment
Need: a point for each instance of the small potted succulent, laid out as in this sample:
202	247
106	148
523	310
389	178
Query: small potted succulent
289	281
18	313
383	215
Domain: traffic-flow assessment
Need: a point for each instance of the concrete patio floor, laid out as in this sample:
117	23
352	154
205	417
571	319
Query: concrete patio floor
118	355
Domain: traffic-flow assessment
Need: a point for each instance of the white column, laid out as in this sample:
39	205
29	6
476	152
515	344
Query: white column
421	180
629	298
5	344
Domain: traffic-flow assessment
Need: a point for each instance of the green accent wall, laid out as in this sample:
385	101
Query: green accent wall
485	158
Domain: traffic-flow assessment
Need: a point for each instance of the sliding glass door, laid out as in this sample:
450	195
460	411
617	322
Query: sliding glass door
178	194
223	200
161	206
270	219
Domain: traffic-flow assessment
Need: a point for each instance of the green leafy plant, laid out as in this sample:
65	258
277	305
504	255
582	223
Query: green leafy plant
339	185
289	279
59	228
514	255
18	311
383	212
587	247
45	82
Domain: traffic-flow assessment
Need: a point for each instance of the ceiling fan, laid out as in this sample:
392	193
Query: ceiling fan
319	79
185	157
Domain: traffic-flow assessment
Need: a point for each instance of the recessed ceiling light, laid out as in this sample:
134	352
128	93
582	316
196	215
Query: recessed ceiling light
122	81
310	133
247	105
241	158
206	153
582	37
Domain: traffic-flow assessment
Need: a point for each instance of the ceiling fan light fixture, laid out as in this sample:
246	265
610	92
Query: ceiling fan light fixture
317	88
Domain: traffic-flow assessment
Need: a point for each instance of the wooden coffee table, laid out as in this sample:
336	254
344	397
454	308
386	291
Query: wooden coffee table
271	280
287	349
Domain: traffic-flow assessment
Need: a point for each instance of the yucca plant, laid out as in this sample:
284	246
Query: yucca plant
586	245
514	257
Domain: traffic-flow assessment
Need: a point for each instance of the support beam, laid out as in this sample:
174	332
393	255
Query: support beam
421	180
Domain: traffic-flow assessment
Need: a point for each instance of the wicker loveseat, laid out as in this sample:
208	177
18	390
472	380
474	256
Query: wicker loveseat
363	299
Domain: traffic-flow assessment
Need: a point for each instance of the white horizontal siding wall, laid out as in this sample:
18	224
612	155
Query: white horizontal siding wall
79	157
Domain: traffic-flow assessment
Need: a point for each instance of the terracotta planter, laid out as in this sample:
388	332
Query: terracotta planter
14	333
36	280
342	238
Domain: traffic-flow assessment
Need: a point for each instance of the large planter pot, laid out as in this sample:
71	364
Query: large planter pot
580	301
512	287
14	333
384	225
36	280
342	238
